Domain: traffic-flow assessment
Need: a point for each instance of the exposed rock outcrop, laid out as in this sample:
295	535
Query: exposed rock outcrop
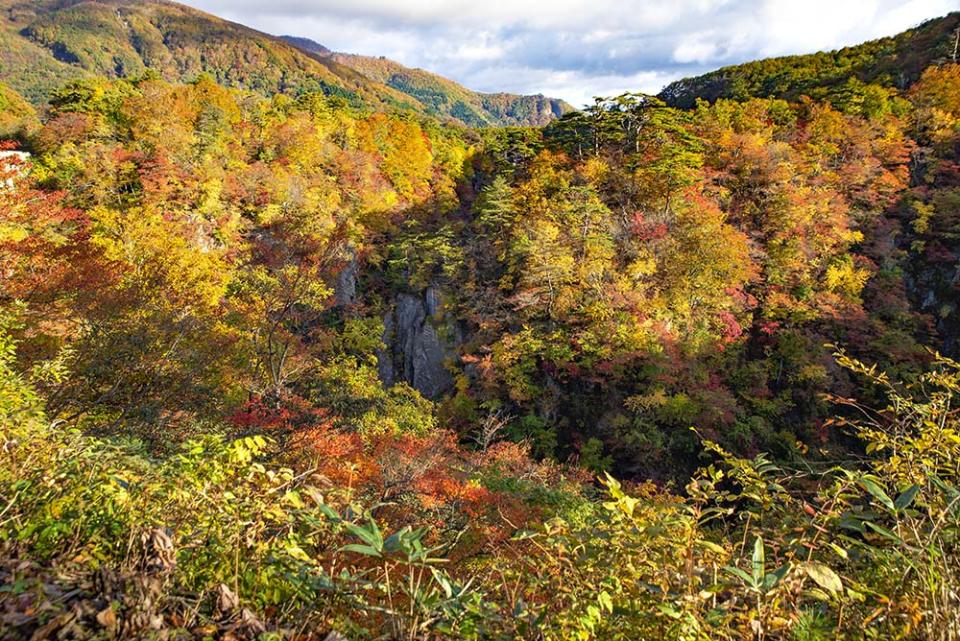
415	352
345	285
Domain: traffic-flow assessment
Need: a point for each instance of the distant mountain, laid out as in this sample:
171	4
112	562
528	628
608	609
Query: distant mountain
444	97
45	43
306	44
894	62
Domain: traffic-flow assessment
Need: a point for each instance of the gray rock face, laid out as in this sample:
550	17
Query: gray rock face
345	287
415	352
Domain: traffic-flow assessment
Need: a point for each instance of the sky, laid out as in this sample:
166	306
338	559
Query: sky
577	49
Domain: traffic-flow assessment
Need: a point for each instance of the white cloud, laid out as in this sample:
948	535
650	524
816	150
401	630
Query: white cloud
701	48
479	51
575	49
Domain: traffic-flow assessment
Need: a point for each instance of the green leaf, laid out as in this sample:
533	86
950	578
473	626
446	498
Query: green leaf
605	601
292	497
741	574
329	512
759	562
943	486
710	545
297	552
613	485
628	504
369	535
871	486
378	536
669	610
360	549
884	532
773	578
392	542
594	613
823	576
519	608
817	593
855	595
906	498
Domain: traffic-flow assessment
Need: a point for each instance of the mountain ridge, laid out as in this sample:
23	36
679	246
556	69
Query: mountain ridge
893	62
47	43
442	96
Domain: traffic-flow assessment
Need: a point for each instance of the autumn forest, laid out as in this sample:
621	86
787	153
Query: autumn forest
308	346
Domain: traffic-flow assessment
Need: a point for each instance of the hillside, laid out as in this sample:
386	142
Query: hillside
293	370
45	43
18	118
306	44
893	62
444	97
49	41
316	373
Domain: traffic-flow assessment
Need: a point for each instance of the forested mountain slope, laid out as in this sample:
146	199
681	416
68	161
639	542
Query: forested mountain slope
47	42
444	97
894	62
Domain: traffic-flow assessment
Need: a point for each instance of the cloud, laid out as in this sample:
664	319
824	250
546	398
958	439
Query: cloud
576	49
700	48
